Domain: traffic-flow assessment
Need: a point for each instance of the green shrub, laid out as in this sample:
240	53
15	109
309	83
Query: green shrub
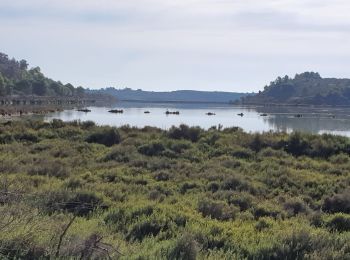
265	211
79	203
235	183
295	246
21	248
339	222
184	248
216	209
295	207
161	176
26	137
152	149
119	154
296	144
187	186
337	203
242	153
185	132
146	228
262	224
57	123
88	124
106	136
49	168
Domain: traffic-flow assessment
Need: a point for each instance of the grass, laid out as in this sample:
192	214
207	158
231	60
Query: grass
83	191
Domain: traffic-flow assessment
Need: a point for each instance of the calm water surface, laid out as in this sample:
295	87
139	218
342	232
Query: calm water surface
335	121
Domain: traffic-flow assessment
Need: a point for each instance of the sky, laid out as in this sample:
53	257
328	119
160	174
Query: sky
163	45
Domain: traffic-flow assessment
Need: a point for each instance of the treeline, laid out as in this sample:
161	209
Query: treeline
16	78
308	88
172	96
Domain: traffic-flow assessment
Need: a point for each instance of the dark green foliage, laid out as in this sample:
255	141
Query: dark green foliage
262	224
296	145
151	149
145	229
261	211
49	168
338	203
187	186
22	248
184	248
179	95
216	209
106	136
292	247
78	203
339	222
161	176
16	78
235	183
185	132
306	88
295	207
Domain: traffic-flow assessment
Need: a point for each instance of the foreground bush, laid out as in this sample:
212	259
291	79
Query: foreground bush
184	248
79	191
338	203
105	136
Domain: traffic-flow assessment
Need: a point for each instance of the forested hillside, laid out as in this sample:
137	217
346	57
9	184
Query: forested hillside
172	96
16	78
308	88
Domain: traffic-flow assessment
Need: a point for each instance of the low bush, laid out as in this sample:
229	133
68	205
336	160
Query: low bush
216	209
146	228
185	247
152	149
185	132
339	222
295	207
106	136
235	183
337	203
51	168
79	203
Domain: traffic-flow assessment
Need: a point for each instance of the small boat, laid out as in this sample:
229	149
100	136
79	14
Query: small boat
210	114
85	110
240	114
116	111
298	115
147	112
263	114
172	113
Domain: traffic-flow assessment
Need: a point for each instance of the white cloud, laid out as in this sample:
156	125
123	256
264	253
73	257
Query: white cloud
167	44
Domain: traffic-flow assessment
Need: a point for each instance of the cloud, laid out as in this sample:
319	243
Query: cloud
164	44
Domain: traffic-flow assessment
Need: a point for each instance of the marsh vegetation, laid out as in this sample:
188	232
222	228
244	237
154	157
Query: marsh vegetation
79	190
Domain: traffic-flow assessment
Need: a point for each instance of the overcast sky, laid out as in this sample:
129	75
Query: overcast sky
229	45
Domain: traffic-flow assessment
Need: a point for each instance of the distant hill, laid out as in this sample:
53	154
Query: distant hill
308	88
17	79
128	94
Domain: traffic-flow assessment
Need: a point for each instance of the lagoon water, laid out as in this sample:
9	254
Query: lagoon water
314	120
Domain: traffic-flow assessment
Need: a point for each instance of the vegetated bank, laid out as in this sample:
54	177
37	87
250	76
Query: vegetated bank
178	96
26	90
305	89
79	190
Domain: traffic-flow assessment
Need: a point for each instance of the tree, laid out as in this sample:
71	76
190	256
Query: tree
2	86
23	65
39	88
80	91
24	86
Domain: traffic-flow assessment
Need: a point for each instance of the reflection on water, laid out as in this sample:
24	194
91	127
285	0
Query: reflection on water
336	121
